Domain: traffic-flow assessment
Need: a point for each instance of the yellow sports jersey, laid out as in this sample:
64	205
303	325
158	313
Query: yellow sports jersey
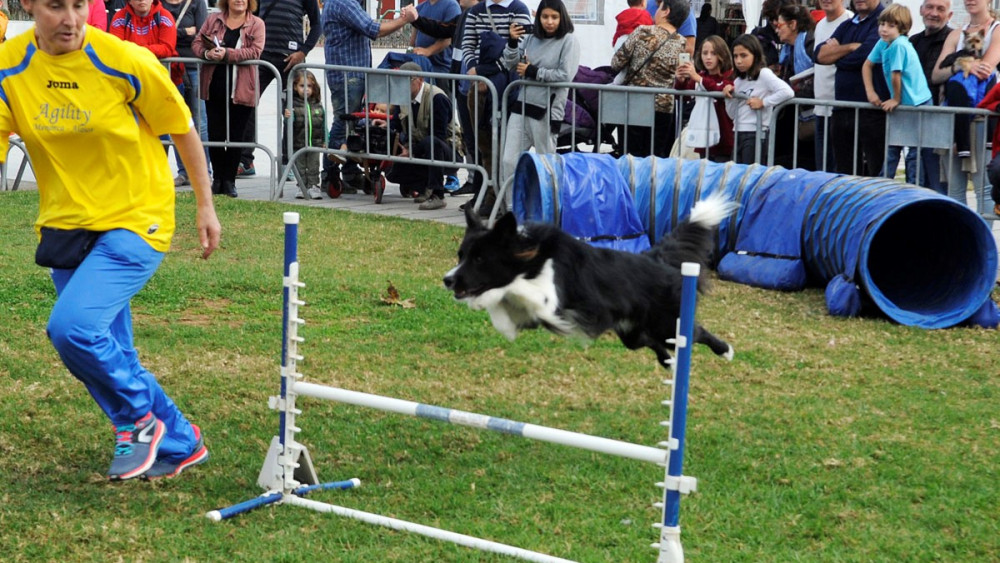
90	120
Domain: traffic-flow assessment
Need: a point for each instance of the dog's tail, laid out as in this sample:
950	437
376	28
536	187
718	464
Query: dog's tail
693	239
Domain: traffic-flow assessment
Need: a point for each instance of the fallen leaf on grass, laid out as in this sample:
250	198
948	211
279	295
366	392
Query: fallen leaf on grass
391	297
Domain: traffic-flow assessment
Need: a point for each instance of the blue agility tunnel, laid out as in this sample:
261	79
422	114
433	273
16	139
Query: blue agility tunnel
923	259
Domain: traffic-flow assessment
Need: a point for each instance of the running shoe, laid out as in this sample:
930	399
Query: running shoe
166	469
136	446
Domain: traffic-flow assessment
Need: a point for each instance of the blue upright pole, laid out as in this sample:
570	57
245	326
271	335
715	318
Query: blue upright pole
291	257
675	483
678	418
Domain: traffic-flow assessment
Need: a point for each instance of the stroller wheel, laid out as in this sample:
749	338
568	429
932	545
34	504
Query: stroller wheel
379	185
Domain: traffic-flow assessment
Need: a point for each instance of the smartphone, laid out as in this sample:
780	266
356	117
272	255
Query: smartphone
684	58
528	28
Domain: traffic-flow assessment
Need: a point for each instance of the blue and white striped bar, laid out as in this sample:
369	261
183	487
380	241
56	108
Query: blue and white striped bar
463	418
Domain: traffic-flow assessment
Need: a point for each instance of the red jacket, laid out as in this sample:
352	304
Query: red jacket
155	31
992	102
628	20
715	83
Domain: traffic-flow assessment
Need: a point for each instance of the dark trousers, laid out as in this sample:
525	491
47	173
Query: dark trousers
415	177
660	138
460	101
225	161
958	97
746	147
823	144
266	78
869	130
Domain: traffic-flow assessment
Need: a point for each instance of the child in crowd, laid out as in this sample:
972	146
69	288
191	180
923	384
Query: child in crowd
902	68
992	103
763	89
712	71
629	19
308	130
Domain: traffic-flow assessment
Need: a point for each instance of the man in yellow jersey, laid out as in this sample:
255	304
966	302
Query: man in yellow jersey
90	108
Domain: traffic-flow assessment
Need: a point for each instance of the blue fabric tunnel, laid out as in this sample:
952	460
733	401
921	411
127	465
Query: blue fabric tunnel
582	194
923	259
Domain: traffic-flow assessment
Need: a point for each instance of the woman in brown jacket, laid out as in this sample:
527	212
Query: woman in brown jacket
229	36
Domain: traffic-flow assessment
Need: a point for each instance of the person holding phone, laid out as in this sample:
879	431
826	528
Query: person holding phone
650	57
549	54
229	36
712	71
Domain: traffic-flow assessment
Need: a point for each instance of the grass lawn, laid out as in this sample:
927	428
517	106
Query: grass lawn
826	439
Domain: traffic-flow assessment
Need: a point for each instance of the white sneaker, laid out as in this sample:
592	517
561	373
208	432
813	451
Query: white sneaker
315	193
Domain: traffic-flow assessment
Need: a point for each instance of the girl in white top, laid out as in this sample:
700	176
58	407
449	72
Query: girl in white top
763	89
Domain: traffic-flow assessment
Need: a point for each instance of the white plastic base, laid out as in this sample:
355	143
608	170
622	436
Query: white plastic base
670	545
271	474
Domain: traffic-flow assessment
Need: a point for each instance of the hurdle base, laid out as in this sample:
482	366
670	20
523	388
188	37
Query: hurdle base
271	476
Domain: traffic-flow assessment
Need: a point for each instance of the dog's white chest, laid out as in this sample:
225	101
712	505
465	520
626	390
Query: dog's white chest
524	302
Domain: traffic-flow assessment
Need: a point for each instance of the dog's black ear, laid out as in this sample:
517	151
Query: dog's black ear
472	220
506	224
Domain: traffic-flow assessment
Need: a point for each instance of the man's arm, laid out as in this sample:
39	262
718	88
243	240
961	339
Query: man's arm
192	154
315	26
831	51
388	27
436	29
434	48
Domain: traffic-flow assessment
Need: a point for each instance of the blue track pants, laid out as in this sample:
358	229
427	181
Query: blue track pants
91	328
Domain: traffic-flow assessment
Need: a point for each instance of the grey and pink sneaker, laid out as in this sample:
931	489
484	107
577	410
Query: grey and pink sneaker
163	468
135	447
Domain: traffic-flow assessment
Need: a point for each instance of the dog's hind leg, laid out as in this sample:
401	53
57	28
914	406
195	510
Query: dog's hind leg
717	345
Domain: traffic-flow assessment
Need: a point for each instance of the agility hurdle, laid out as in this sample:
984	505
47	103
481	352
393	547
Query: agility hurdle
288	474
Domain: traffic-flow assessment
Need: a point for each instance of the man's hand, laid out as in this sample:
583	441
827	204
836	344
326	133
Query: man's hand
890	105
407	12
422	51
209	230
295	58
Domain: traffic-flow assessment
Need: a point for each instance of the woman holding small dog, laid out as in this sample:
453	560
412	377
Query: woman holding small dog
106	212
982	31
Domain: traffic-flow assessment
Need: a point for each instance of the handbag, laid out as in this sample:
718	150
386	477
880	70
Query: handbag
702	130
64	249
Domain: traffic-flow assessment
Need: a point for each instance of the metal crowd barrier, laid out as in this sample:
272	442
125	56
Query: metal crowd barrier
912	127
15	142
273	154
392	87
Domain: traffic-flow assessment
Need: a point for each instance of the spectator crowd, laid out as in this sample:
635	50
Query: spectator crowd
860	53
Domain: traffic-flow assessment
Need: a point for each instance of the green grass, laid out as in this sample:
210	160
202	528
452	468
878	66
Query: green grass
825	440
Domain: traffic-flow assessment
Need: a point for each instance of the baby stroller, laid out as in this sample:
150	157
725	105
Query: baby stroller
364	136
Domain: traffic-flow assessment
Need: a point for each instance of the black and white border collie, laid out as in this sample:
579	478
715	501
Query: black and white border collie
540	276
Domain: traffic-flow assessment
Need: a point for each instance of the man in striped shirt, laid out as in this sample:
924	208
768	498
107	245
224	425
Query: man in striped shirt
496	16
349	31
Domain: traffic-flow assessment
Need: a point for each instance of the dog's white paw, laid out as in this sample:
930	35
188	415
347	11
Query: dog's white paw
729	354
